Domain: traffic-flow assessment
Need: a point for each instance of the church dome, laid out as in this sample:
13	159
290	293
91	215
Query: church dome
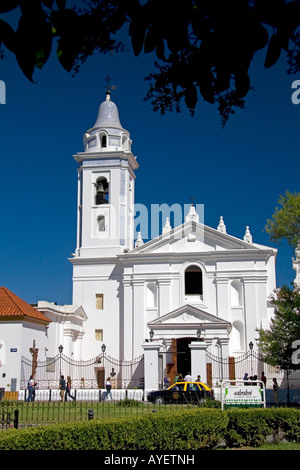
108	115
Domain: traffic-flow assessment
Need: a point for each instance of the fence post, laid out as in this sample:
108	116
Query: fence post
209	374
231	365
16	419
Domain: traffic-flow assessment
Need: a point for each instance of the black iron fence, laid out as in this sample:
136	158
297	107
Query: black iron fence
252	363
90	374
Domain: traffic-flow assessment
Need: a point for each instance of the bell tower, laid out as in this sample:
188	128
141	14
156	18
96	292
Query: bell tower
106	175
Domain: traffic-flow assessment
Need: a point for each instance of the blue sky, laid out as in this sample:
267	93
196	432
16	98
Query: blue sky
237	172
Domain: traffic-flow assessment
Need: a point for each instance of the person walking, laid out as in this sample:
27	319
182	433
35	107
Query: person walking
166	381
62	387
68	389
108	388
30	387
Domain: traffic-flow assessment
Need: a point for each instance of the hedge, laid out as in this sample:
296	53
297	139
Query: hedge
191	429
165	430
248	427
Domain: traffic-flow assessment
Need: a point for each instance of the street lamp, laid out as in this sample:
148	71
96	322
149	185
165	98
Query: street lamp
103	348
151	334
60	350
251	349
198	333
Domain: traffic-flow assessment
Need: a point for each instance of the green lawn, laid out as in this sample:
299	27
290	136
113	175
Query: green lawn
57	412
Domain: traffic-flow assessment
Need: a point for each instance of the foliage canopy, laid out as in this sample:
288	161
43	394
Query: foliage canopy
204	48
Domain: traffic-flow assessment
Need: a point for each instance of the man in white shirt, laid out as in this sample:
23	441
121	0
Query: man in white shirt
188	377
30	389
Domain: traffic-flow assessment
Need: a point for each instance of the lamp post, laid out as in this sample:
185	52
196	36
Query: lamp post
251	349
198	334
103	349
151	334
60	350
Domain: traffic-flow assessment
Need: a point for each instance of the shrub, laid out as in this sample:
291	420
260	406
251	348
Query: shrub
197	428
189	429
128	403
250	427
246	427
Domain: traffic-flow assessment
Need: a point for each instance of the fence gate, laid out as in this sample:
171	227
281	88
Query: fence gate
84	374
252	363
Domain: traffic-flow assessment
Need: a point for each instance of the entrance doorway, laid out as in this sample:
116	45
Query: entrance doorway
101	377
184	356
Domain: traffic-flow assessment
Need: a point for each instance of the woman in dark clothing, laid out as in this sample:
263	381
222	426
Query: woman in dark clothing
68	389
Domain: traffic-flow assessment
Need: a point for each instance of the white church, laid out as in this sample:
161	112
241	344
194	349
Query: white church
192	289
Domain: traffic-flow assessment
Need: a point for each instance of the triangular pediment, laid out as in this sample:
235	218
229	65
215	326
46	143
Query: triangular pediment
188	315
195	237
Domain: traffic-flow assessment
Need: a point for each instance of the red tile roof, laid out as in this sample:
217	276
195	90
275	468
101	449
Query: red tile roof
11	306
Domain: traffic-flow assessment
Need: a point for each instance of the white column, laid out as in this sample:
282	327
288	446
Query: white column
78	213
138	332
126	327
198	359
250	310
222	297
164	296
151	350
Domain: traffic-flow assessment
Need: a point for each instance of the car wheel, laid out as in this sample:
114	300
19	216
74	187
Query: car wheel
159	401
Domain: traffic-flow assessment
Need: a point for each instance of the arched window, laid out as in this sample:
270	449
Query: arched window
193	281
124	142
102	191
101	223
236	294
103	139
151	295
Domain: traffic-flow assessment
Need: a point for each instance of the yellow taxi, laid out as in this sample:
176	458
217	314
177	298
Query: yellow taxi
182	392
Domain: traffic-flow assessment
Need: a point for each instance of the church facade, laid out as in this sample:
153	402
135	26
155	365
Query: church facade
159	298
164	304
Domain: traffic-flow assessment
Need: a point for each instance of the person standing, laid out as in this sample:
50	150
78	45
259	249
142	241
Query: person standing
264	379
275	391
188	377
62	387
68	389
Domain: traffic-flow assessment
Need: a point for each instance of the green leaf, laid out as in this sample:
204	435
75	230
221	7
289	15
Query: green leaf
7	5
152	39
273	52
7	36
33	39
190	95
137	31
206	85
242	84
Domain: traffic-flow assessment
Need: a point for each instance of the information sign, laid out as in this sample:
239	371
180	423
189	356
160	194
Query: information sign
238	393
